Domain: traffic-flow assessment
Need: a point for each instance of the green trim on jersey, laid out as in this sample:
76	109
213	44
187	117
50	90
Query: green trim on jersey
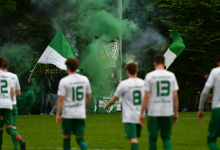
214	125
132	130
73	126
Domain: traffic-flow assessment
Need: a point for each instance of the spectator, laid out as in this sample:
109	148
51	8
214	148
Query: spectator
202	82
201	86
53	92
44	94
26	84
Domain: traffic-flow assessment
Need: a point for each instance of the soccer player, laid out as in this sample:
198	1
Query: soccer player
214	125
6	97
161	101
74	97
16	84
132	92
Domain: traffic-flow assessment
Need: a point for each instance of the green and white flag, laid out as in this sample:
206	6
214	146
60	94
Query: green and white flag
57	52
174	50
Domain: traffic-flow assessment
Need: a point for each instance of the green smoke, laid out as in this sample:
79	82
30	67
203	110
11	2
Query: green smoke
99	18
20	59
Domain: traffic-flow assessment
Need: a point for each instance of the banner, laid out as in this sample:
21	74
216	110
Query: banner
112	109
107	53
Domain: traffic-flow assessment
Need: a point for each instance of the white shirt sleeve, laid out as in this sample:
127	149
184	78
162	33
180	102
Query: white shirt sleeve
88	88
10	83
17	86
119	90
61	89
146	83
175	84
211	79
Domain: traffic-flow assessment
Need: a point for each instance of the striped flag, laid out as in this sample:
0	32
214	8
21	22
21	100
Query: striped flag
174	50
57	52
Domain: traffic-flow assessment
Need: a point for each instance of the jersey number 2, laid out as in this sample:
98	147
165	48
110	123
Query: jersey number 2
165	86
79	95
137	97
4	86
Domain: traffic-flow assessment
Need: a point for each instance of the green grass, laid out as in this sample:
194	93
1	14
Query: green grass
105	131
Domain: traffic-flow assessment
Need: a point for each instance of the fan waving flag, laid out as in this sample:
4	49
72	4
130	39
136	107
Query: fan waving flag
174	50
57	52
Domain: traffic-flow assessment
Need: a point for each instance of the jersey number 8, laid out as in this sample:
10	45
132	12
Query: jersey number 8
79	95
137	97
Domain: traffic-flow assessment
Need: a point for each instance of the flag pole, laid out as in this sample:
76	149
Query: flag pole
119	9
33	71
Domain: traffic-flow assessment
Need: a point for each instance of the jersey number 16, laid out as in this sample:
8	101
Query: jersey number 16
79	95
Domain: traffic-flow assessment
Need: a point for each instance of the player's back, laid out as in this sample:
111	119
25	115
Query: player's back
161	84
214	81
74	87
132	94
5	91
15	81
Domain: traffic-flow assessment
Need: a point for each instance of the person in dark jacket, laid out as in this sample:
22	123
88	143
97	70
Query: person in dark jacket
26	84
201	86
53	85
44	93
202	82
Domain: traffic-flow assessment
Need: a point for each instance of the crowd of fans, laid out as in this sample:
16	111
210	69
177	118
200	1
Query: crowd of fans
48	90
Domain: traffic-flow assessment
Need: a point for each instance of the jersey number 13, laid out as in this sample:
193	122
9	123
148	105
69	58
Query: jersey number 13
164	86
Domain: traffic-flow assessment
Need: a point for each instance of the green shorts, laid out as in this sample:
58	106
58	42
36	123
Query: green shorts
14	115
164	124
7	117
75	126
132	130
214	125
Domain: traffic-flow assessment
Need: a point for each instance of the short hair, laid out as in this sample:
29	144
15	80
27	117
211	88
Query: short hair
5	64
1	61
72	64
218	59
132	68
206	73
159	59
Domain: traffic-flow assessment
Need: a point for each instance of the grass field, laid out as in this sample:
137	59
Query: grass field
105	131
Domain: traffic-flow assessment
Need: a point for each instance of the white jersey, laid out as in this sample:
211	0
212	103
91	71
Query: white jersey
16	84
161	84
5	90
214	81
74	88
132	92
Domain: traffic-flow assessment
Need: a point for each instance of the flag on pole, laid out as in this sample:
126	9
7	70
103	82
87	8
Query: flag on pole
57	52
174	50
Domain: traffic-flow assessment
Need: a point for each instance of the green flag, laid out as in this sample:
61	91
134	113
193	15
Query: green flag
57	52
175	49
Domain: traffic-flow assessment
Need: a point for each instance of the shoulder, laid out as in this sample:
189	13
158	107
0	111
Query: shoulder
140	80
148	75
215	70
124	82
170	73
83	77
64	79
12	75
